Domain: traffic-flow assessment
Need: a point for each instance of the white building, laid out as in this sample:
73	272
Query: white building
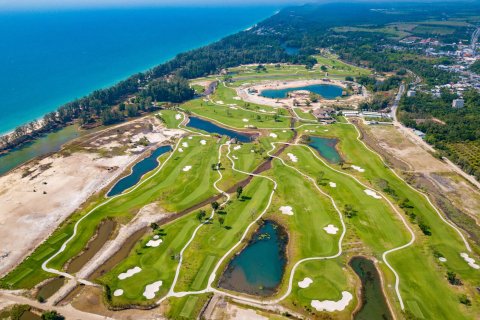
458	103
411	93
350	113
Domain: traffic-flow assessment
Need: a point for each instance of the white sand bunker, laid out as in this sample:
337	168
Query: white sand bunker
236	147
286	210
372	193
187	168
284	131
237	98
129	273
245	120
232	107
185	144
156	237
178	116
331	229
331	306
332	184
180	150
292	157
154	243
262	110
203	142
190	138
305	283
273	135
151	289
219	102
442	259
470	261
359	169
235	157
118	292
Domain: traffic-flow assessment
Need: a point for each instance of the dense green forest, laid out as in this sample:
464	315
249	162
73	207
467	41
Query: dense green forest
307	28
475	67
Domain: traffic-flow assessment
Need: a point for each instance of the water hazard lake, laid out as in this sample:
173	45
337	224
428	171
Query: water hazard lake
138	170
258	269
326	147
374	305
327	91
210	127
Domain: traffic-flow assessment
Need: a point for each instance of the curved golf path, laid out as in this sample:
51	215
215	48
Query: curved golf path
212	277
108	200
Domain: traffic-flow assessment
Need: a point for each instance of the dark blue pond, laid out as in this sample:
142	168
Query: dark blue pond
210	127
374	305
327	91
259	268
326	148
138	170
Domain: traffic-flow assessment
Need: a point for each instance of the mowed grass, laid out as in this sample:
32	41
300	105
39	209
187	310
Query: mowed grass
312	211
330	278
187	307
215	239
336	67
173	189
157	263
375	222
234	118
171	118
422	276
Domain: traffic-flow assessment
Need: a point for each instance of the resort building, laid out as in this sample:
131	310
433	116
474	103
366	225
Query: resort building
324	115
350	113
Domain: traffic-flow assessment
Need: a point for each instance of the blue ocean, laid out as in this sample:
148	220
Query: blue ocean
51	57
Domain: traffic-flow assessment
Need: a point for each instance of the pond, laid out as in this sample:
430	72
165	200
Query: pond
138	170
210	127
327	91
103	234
52	286
48	143
326	147
374	305
258	269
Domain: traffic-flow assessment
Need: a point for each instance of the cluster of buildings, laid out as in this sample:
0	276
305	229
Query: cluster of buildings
463	55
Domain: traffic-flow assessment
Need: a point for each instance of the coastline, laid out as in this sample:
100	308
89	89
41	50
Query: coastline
163	55
30	135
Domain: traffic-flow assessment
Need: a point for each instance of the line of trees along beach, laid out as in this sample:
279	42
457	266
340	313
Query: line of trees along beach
307	28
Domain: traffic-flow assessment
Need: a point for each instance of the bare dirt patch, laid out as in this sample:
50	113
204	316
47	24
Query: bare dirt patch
36	197
428	173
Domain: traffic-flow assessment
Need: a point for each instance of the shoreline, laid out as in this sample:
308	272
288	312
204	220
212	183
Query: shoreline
141	68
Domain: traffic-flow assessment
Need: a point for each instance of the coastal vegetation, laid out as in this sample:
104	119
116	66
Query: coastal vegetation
239	166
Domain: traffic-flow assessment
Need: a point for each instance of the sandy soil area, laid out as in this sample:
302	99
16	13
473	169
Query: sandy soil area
416	160
36	197
243	93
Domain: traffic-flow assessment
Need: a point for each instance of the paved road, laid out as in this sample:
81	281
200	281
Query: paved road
474	39
393	111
